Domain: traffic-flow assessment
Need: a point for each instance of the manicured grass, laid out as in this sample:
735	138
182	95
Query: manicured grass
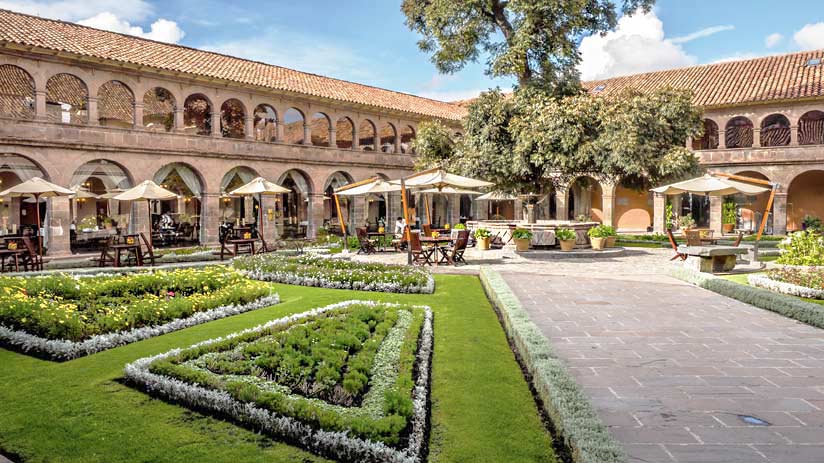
78	411
635	244
742	279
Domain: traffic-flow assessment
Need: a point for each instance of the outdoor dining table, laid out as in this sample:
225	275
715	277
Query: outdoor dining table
119	248
248	244
436	245
380	239
9	254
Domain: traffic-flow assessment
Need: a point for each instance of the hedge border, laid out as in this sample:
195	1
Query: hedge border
575	419
782	304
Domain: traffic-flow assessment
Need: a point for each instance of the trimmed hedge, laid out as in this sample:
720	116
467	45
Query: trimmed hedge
788	306
571	412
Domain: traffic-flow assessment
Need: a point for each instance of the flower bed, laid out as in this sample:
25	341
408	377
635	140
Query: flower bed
808	283
64	316
803	248
336	273
349	381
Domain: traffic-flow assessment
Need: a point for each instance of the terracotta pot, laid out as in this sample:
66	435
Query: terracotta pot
521	245
728	227
598	243
483	244
567	245
611	241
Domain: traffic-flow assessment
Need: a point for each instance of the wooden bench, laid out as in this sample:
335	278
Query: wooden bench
711	259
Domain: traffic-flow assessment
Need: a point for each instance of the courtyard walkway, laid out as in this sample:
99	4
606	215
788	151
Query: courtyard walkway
680	374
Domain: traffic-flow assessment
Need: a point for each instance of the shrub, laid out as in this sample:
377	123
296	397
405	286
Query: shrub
601	231
802	248
729	213
482	233
522	234
811	222
459	226
565	234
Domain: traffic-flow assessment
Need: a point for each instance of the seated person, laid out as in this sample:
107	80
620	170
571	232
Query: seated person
166	221
399	225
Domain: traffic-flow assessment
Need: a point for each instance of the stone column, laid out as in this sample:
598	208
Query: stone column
270	227
483	210
333	137
398	143
794	135
756	138
307	134
716	206
40	105
722	139
376	141
561	209
141	221
93	115
216	132
659	207
779	214
250	127
138	116
454	208
59	213
315	214
355	138
179	121
608	203
279	131
360	211
209	218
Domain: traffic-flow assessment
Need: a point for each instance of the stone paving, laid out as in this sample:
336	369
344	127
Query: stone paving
680	374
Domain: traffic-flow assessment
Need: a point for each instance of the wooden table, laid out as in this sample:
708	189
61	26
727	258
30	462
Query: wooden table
10	253
134	247
380	239
436	242
247	243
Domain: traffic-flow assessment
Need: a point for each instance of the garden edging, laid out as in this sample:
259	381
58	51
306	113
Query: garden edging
763	281
563	400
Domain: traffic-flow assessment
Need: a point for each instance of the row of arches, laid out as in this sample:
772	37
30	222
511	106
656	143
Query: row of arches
775	130
67	101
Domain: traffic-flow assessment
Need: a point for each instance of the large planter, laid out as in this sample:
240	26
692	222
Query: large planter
598	243
567	245
728	227
483	243
521	245
610	241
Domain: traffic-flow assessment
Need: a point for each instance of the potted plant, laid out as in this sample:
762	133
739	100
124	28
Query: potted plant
459	226
668	216
611	235
686	222
597	237
811	222
567	239
728	217
522	239
482	235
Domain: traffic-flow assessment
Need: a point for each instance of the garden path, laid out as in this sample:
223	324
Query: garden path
678	373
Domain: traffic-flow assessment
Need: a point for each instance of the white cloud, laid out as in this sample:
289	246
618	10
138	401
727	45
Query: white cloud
810	36
700	34
74	10
740	56
773	39
637	45
162	30
451	95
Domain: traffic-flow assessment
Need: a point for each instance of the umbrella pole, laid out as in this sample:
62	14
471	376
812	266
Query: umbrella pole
39	234
149	218
260	214
342	223
408	230
766	214
426	205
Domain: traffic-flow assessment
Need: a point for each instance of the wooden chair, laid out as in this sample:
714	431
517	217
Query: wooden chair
149	250
678	255
400	243
738	240
427	230
420	255
453	253
367	246
32	256
106	257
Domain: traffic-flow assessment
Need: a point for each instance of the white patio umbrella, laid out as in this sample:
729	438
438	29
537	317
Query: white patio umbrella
80	192
37	188
148	191
371	185
259	186
710	185
496	196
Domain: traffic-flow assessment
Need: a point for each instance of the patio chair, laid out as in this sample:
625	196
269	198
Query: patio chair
106	257
674	245
32	257
453	253
420	255
738	239
149	250
367	246
427	230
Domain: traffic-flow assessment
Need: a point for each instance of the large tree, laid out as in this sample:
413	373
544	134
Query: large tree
534	41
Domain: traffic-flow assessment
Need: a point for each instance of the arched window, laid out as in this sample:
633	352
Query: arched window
366	135
159	110
197	115
320	129
266	123
66	98
345	133
16	92
115	105
407	134
388	135
296	203
240	207
232	119
775	130
738	133
811	128
708	141
96	183
186	208
293	127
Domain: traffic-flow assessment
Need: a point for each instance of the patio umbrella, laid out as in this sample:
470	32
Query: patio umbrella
111	193
447	190
496	196
37	188
149	191
83	193
259	186
364	187
710	185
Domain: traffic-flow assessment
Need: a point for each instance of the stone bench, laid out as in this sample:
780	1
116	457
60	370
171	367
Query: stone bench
711	259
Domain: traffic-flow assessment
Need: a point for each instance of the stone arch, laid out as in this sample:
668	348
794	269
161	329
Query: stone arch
266	123
320	129
709	140
775	130
15	169
186	209
16	92
233	119
67	99
407	135
197	114
367	135
811	128
296	204
330	212
243	207
585	199
738	133
388	134
751	207
804	198
115	105
345	133
104	178
159	107
293	122
633	210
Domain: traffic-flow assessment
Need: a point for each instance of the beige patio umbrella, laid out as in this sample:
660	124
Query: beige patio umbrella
259	186
37	188
111	193
149	191
364	187
80	192
496	196
447	190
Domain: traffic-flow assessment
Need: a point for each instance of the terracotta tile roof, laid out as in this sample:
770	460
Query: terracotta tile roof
759	80
84	41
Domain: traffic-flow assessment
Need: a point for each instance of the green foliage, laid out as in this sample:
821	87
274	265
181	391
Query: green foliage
601	231
668	215
565	234
809	278
534	41
729	213
522	234
459	226
811	222
482	233
802	248
87	223
433	144
686	221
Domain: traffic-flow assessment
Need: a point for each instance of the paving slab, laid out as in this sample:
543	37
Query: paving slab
677	373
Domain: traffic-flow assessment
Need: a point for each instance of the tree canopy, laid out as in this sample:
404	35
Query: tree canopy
534	41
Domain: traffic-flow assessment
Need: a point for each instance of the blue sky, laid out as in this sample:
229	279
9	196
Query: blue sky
367	41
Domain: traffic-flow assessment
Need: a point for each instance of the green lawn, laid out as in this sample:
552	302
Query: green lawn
78	411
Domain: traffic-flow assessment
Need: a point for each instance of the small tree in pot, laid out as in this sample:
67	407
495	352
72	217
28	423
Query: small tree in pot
728	217
567	239
610	234
482	235
522	239
598	237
